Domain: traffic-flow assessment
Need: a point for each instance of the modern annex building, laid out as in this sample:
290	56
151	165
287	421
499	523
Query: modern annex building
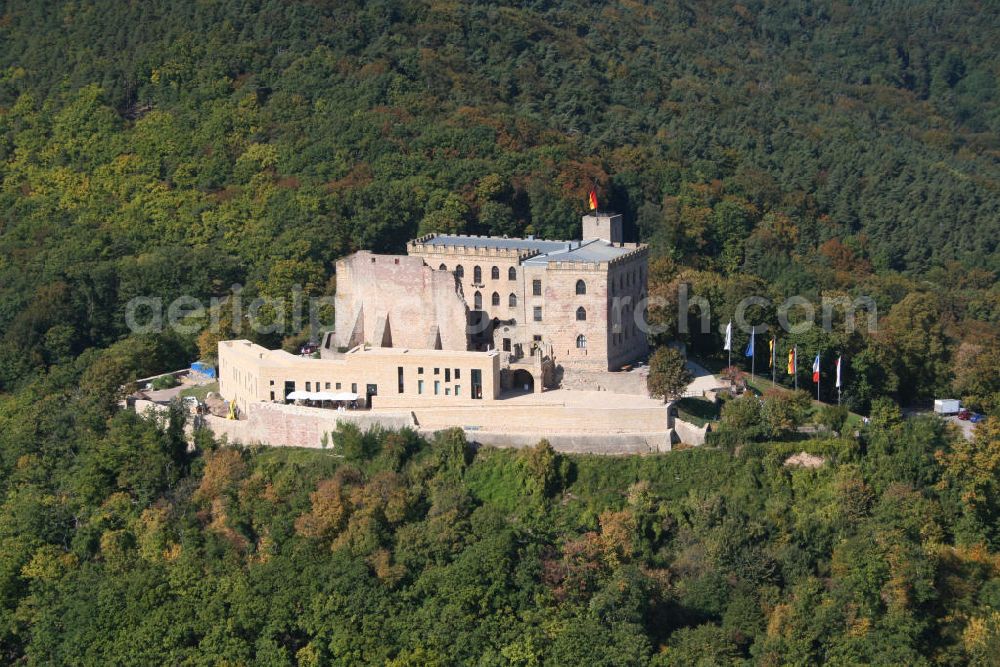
464	318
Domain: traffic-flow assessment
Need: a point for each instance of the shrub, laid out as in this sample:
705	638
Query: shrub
833	417
164	382
784	411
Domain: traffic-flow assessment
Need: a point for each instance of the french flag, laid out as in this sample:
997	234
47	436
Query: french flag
816	369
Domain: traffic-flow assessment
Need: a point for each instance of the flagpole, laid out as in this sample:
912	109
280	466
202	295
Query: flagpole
818	378
753	352
795	366
774	361
729	342
839	360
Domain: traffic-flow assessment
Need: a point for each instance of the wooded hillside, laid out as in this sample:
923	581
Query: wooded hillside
177	147
775	149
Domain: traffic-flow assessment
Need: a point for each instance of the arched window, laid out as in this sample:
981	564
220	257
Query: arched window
495	299
477	300
459	271
581	287
495	273
581	314
512	273
442	268
512	300
581	342
477	275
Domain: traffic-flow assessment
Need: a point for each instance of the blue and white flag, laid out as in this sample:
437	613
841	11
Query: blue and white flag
749	352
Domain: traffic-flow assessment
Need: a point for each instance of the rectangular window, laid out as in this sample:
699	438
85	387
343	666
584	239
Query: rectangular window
399	377
447	391
308	386
458	373
437	387
420	370
538	313
536	287
537	338
447	375
437	371
327	385
337	386
272	383
477	383
420	386
272	396
354	387
458	390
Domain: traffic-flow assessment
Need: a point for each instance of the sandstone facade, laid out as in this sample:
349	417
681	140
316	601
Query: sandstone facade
249	373
579	302
398	301
463	323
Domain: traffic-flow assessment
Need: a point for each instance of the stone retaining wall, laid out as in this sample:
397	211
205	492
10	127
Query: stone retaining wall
579	443
624	430
293	426
632	383
690	434
542	420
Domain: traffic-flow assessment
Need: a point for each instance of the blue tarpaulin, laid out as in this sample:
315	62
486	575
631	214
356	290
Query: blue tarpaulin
208	370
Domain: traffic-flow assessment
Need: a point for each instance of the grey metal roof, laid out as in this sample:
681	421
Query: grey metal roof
587	251
497	242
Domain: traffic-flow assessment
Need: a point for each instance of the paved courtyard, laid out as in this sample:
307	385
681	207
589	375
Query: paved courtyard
703	380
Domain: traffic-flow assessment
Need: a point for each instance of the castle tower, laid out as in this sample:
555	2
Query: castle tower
604	226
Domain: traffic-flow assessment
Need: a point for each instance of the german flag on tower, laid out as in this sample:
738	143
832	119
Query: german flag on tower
593	199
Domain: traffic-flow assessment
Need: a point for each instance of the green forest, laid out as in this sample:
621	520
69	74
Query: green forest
118	547
813	149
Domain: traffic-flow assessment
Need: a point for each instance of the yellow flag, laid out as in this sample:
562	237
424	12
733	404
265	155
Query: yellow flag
770	358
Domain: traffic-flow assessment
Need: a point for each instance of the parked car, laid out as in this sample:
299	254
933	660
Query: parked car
964	415
309	348
976	417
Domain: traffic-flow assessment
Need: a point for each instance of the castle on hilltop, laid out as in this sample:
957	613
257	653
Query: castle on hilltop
464	318
572	301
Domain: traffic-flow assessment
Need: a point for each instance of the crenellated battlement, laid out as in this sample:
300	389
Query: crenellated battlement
483	246
638	250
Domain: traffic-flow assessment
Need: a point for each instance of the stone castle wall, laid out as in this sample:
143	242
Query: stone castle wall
690	434
251	374
398	301
631	383
627	292
560	304
292	426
